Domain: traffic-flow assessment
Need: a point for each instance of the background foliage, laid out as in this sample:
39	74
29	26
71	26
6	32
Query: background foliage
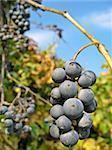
33	69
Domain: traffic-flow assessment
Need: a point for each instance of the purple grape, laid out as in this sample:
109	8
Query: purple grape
54	131
58	75
68	89
86	96
70	138
64	123
73	69
56	111
73	108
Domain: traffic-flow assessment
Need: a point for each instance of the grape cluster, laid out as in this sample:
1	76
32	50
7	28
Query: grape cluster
5	33
22	42
72	100
20	16
15	117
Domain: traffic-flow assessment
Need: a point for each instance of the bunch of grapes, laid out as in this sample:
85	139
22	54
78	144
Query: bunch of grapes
72	100
5	33
20	16
15	117
16	30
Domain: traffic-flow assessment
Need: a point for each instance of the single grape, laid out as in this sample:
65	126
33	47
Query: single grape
4	109
70	138
32	105
26	128
54	131
25	28
18	126
73	69
86	96
58	75
26	23
68	89
16	13
64	123
20	24
87	79
10	12
3	29
91	107
20	17
17	117
21	7
83	133
55	93
16	21
30	110
84	81
91	74
5	26
14	17
8	122
73	108
53	101
56	111
85	121
9	114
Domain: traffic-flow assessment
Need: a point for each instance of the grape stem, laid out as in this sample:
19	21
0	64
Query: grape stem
83	48
28	89
15	99
21	106
101	48
34	94
70	148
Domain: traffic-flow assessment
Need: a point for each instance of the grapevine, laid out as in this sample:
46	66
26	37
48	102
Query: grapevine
16	113
71	100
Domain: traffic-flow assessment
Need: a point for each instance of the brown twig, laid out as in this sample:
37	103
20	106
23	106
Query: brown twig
21	106
4	21
15	99
2	78
35	94
82	48
28	89
101	48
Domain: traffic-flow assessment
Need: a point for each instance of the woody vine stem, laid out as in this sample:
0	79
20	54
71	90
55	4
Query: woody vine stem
101	48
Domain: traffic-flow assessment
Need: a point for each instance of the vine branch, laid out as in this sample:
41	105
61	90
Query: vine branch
15	99
101	48
2	78
4	21
27	89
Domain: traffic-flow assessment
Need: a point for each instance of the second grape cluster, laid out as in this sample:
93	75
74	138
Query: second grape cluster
72	100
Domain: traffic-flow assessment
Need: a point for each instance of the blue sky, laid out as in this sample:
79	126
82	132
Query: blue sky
94	15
